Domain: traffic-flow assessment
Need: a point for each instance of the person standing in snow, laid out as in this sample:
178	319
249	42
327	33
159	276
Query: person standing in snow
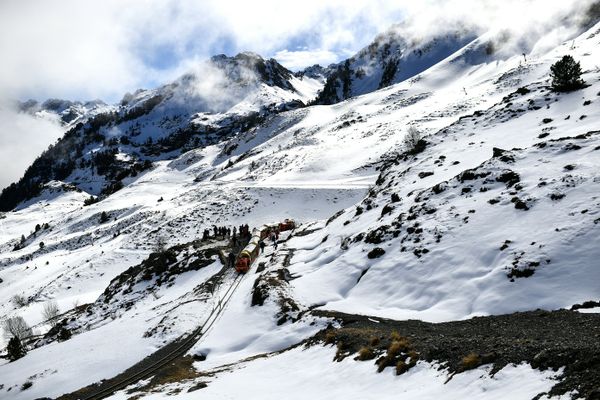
262	246
231	259
274	240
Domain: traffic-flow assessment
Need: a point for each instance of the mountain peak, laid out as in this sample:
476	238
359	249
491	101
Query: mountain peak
248	67
390	58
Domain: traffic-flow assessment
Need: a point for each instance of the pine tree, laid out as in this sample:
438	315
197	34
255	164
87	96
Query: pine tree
64	334
103	217
566	75
15	349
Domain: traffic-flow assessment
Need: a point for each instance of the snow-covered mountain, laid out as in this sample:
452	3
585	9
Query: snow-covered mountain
67	112
389	59
496	210
105	145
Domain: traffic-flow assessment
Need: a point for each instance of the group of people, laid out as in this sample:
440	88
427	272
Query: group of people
237	234
223	232
244	230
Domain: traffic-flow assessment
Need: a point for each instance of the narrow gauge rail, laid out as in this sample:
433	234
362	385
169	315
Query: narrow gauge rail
243	262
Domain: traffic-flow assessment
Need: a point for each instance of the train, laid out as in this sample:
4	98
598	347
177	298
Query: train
252	249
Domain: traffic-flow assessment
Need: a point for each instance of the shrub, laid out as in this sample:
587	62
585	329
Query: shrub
329	337
566	75
382	362
401	367
19	300
375	253
414	357
374	341
64	334
470	361
26	385
103	217
50	312
340	353
15	349
91	200
413	141
366	353
397	347
17	327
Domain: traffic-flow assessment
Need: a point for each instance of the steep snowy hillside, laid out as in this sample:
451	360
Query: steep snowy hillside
403	51
389	59
496	210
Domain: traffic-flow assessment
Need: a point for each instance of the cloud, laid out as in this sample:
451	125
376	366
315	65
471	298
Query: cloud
104	48
61	50
298	59
520	25
208	86
23	138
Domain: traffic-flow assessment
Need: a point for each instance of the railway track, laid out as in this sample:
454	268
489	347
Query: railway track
172	351
180	349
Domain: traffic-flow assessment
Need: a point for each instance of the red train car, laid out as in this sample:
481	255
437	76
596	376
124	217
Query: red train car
251	251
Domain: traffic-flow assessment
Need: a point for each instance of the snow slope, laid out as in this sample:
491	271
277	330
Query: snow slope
449	252
319	377
392	57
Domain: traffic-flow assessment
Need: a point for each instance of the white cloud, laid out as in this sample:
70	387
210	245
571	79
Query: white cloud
23	138
208	87
102	49
63	50
298	59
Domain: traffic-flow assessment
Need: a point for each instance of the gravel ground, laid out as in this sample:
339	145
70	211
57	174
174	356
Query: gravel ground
544	339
